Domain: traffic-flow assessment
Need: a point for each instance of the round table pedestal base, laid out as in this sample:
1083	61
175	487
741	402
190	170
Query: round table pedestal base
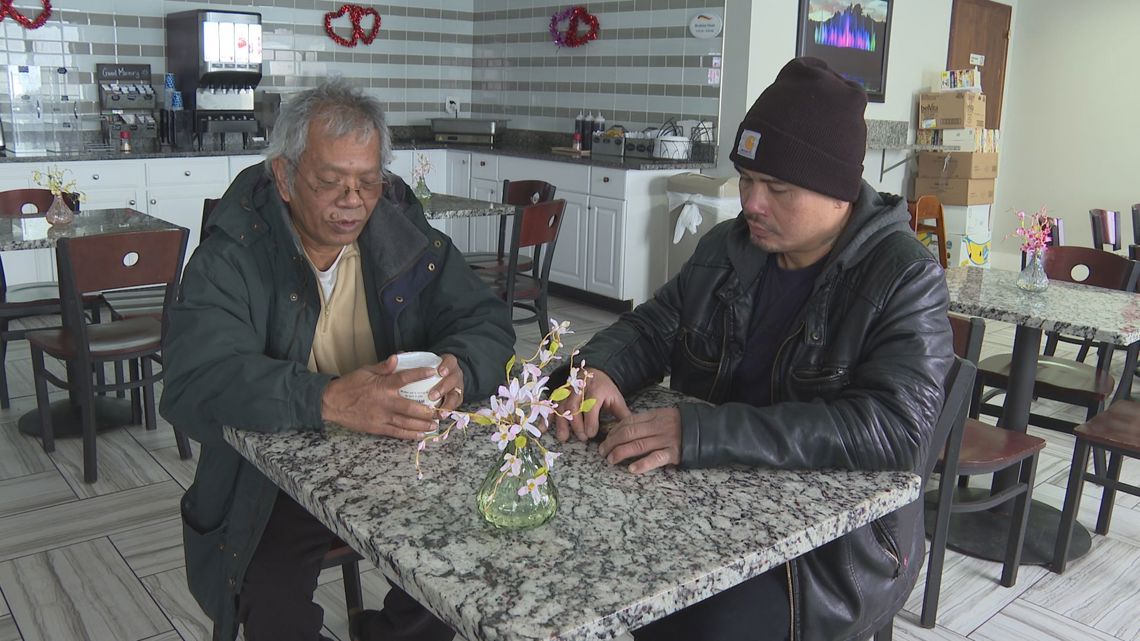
110	412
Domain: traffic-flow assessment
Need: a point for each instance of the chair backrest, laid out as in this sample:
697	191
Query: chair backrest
13	201
929	208
959	387
1056	236
116	261
536	227
968	334
208	206
1105	228
527	192
1105	269
1136	224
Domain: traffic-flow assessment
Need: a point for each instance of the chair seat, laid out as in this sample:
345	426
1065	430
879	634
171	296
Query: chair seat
339	553
1056	377
117	339
987	449
1116	427
491	262
41	293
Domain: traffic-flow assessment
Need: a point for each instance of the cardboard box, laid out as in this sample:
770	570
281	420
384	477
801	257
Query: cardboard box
951	110
956	191
962	249
969	220
957	164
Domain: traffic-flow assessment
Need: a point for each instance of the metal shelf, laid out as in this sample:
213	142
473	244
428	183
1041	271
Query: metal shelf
883	168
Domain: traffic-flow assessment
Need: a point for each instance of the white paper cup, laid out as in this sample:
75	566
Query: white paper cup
418	390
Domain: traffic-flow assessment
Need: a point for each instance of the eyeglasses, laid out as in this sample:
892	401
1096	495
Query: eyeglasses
335	188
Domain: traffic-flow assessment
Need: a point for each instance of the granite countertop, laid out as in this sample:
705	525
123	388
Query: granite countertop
622	551
441	206
1106	315
519	152
33	232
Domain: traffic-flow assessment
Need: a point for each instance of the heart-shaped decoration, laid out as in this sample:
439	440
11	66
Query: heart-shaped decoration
575	16
6	9
356	14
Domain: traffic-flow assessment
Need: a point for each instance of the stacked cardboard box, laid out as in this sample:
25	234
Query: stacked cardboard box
957	178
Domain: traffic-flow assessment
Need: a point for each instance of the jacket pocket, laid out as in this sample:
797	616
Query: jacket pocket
205	561
887	544
702	352
819	382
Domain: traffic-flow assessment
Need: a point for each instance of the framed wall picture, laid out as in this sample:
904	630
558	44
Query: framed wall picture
851	36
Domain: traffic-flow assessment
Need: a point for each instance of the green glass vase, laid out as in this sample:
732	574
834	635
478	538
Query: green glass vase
499	499
421	190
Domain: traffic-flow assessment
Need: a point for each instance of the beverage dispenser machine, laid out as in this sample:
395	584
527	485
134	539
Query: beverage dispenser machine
216	58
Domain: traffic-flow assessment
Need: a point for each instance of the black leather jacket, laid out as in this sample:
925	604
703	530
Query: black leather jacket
858	384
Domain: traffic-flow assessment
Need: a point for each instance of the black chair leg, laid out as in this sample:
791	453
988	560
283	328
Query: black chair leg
1018	520
87	411
937	551
136	397
1072	504
148	395
353	593
886	633
5	400
43	403
119	379
1108	497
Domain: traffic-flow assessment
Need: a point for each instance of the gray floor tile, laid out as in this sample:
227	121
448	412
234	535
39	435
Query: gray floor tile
21	455
8	629
82	591
907	628
330	596
170	592
1099	590
122	463
166	636
182	470
33	491
59	525
152	548
1024	621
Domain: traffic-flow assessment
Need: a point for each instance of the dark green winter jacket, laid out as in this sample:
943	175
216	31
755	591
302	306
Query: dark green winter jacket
239	338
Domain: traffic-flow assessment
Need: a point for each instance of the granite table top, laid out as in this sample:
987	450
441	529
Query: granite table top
1106	315
622	551
442	206
34	232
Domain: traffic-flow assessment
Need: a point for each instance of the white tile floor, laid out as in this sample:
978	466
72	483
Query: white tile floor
104	561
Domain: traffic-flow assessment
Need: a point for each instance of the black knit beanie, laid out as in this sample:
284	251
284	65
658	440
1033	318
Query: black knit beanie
807	128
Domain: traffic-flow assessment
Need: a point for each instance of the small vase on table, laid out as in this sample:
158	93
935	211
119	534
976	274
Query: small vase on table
423	194
59	213
524	497
1032	277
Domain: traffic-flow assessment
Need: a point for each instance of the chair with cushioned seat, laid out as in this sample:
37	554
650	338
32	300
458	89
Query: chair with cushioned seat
519	193
1061	379
28	300
1116	430
95	264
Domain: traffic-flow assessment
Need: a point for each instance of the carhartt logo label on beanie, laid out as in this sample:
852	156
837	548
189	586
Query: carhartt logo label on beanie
811	121
748	141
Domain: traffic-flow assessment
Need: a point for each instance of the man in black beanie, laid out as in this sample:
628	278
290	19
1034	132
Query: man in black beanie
815	323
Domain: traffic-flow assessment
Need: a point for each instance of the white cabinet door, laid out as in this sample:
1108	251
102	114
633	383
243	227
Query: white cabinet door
606	232
569	264
458	165
238	163
183	207
113	199
485	229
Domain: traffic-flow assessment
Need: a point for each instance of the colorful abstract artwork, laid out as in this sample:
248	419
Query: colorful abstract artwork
851	36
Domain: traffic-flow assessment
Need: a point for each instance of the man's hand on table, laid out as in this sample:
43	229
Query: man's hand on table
584	427
368	399
653	438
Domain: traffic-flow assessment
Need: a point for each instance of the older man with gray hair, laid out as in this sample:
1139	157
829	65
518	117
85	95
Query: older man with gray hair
319	267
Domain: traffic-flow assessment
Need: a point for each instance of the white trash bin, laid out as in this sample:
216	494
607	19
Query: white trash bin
697	203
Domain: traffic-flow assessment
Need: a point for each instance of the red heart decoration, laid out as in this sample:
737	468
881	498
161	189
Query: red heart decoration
355	13
6	9
571	38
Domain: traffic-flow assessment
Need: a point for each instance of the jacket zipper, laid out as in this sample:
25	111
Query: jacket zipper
723	356
791	604
888	544
776	361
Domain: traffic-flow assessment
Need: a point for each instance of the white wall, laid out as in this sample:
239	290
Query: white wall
1069	135
919	32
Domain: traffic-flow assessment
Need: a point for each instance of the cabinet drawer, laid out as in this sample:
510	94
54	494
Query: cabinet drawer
608	182
484	166
185	171
107	174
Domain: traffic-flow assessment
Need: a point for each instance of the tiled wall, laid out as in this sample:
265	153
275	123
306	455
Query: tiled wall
494	56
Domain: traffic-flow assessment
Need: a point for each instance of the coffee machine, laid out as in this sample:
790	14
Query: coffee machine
216	56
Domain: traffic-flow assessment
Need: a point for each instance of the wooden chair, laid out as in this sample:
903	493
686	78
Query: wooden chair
1105	229
972	448
1116	430
519	193
28	299
959	381
1062	379
95	264
929	208
1134	248
535	228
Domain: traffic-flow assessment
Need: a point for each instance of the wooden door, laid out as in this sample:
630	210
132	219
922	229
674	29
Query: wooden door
979	31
